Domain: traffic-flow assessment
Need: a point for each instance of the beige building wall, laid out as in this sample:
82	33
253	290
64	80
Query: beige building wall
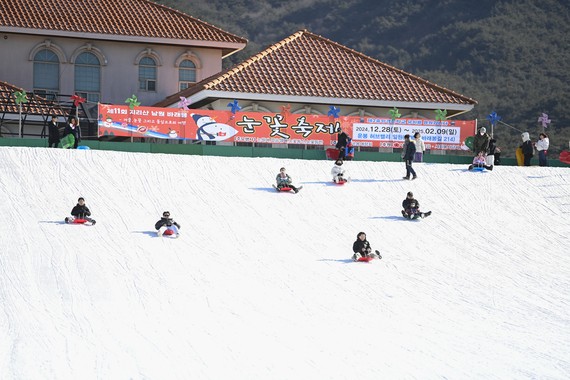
119	69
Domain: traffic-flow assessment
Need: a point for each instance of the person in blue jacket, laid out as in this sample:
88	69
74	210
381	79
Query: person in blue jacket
409	157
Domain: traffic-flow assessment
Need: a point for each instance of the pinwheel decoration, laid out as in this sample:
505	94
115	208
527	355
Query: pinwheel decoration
234	106
545	120
133	102
441	115
394	114
21	97
184	103
493	117
285	110
77	99
334	111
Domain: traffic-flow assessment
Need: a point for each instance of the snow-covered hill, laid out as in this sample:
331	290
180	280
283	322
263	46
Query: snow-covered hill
260	285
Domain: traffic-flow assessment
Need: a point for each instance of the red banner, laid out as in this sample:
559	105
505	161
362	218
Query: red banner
286	128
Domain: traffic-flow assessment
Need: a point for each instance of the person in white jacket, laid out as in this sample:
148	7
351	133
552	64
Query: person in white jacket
542	147
420	148
339	173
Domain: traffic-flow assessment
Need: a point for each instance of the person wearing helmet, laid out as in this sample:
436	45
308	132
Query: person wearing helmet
411	207
167	223
284	180
80	211
481	142
361	248
339	173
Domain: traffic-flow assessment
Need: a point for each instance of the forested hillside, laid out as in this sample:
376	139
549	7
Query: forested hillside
513	57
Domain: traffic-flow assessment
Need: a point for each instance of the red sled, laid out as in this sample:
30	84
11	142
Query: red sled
340	182
366	259
168	232
332	154
79	221
280	189
565	157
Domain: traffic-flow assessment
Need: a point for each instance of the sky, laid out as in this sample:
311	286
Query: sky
260	284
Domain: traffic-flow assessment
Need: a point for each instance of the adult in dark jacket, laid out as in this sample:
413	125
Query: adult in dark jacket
526	148
481	141
80	211
341	144
53	133
361	248
409	157
167	223
73	128
411	207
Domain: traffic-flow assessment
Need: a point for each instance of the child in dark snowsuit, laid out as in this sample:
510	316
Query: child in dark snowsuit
80	211
361	248
411	207
167	223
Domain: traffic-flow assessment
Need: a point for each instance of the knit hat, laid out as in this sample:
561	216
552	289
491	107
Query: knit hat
338	162
483	129
410	194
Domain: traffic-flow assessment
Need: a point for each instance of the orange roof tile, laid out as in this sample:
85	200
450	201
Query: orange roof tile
306	64
36	105
141	18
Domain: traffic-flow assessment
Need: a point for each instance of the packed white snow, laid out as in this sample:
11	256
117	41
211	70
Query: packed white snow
260	285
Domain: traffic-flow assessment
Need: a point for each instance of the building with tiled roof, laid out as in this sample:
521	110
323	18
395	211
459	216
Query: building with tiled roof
36	111
107	50
311	73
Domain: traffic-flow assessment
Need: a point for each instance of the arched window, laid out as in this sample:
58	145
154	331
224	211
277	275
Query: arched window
46	74
186	74
88	77
147	74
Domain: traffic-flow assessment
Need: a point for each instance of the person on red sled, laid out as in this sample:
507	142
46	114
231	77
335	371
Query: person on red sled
339	173
167	223
80	211
361	248
480	161
411	207
284	180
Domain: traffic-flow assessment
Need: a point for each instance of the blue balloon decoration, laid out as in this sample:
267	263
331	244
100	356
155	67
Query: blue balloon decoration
234	106
493	117
334	111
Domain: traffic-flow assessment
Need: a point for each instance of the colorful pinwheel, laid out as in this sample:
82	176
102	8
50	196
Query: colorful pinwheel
544	119
184	103
394	114
493	117
441	115
285	110
77	99
234	106
21	97
133	102
334	111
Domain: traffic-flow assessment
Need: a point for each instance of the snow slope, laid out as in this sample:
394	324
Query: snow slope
260	285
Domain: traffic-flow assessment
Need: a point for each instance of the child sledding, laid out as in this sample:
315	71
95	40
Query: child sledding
285	182
411	208
167	226
340	175
80	214
362	250
480	162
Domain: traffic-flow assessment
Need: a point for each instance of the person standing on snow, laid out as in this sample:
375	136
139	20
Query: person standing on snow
481	141
167	223
80	211
72	128
420	147
542	147
339	173
526	148
349	150
361	248
409	157
341	144
53	131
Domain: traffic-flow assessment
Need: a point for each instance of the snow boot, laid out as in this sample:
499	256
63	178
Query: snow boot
159	234
470	167
406	178
356	256
414	177
378	254
67	220
93	222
